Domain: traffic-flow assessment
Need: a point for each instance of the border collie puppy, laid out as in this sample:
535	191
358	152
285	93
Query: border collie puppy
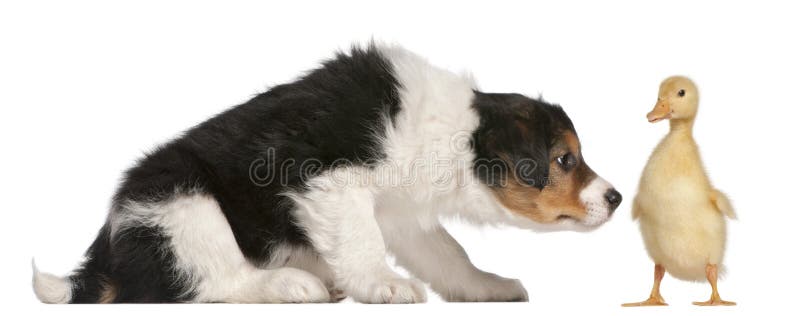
299	194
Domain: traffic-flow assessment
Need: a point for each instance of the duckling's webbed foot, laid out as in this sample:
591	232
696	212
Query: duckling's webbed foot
715	300
652	301
655	298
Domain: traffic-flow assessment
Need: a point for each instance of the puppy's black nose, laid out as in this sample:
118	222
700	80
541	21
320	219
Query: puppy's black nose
614	199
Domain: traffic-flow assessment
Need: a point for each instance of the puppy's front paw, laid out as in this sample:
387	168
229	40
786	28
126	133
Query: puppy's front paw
487	288
393	291
509	290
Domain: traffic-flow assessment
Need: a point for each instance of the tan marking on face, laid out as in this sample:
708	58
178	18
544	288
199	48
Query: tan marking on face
560	196
572	142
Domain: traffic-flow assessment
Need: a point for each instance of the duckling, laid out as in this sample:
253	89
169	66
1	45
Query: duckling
681	215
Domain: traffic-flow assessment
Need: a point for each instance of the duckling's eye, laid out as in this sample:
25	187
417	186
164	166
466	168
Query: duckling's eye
681	93
567	161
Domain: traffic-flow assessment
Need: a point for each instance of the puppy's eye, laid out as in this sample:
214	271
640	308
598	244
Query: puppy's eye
681	93
567	161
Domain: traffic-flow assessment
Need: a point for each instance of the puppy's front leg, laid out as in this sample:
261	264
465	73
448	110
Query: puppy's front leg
340	222
432	255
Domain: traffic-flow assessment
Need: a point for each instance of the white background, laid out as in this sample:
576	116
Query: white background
86	87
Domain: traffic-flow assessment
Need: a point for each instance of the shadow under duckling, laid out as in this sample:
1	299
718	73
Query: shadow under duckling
681	215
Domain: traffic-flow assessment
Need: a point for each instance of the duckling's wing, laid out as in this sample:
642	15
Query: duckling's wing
722	203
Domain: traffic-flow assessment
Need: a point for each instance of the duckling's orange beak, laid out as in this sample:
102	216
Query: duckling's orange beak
661	111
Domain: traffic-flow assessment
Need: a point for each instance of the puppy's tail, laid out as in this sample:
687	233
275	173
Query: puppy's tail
49	288
87	284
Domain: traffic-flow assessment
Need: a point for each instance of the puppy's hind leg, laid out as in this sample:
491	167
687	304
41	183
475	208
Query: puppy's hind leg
281	285
305	258
215	268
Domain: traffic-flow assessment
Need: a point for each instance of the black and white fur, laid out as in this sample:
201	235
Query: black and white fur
192	221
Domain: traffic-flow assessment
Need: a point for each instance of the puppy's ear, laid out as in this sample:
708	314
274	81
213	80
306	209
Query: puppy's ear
513	154
512	138
532	164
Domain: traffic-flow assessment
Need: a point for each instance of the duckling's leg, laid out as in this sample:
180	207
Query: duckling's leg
711	274
655	294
